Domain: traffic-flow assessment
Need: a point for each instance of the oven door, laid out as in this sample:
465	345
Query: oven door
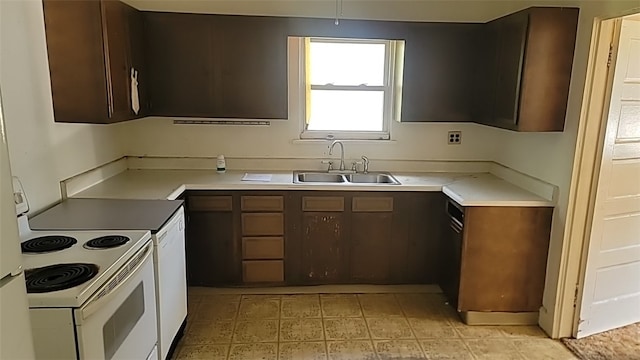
119	322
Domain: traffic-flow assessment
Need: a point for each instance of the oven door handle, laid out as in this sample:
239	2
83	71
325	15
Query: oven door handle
97	302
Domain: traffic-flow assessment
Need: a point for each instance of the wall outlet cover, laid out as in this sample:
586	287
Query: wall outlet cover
454	137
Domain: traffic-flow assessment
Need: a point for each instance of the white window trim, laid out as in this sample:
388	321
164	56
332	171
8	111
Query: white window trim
390	98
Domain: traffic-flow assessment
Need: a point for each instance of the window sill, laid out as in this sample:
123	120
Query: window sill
346	141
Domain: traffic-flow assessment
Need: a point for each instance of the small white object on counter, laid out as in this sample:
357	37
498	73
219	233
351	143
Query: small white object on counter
221	164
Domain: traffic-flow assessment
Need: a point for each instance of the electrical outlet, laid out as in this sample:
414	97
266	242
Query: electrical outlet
454	137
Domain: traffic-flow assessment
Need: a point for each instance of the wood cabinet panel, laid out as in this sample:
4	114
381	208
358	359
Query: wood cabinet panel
115	21
262	247
323	247
262	271
545	84
256	224
372	204
512	33
527	59
262	203
89	45
210	203
519	238
181	77
217	66
252	55
323	203
138	57
437	84
425	219
372	240
212	254
76	60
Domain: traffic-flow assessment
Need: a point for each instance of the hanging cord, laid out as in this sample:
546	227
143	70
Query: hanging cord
338	11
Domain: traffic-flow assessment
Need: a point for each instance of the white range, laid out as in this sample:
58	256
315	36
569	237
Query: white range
91	294
165	220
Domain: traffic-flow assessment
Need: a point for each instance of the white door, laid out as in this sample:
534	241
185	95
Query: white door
611	293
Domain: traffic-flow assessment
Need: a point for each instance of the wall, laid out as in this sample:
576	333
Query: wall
41	152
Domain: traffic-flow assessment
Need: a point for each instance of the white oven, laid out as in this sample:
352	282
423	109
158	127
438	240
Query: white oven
117	322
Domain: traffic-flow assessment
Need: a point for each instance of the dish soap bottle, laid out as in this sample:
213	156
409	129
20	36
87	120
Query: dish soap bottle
221	165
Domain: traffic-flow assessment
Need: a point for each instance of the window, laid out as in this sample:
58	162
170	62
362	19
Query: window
348	88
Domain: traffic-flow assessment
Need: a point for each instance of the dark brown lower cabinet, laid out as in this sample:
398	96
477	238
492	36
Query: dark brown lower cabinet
363	237
502	260
313	237
324	246
371	246
212	251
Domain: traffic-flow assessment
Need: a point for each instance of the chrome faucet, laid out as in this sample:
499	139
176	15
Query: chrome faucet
341	152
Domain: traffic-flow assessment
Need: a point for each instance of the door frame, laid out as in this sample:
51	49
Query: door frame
586	169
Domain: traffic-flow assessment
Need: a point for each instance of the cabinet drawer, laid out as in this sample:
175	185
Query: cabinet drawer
262	224
322	203
263	271
372	204
262	203
262	247
210	203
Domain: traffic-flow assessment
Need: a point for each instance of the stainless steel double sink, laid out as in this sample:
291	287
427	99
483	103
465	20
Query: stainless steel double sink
305	177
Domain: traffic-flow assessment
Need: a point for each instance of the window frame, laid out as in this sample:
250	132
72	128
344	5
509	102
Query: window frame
388	88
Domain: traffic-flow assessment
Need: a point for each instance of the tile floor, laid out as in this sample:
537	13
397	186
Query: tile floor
348	326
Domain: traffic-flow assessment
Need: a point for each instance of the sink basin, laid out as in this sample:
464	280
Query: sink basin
311	177
372	178
303	177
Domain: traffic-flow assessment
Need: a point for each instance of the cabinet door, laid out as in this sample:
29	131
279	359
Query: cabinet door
323	247
212	252
115	33
251	80
371	241
181	79
438	74
511	32
76	61
504	258
137	56
425	218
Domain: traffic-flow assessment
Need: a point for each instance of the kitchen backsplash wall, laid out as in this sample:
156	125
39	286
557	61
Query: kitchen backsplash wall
160	137
42	152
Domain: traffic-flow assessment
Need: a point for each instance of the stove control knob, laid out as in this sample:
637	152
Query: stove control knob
18	198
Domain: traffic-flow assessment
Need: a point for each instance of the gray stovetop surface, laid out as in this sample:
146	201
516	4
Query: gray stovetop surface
106	214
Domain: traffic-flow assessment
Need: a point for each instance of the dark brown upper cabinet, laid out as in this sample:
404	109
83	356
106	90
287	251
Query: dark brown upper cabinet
217	66
93	47
526	59
438	66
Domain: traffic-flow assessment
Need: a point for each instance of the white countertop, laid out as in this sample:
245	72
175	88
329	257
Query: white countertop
467	189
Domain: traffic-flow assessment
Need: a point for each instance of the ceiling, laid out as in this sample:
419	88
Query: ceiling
409	10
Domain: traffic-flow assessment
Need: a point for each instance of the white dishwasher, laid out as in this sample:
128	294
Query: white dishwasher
171	284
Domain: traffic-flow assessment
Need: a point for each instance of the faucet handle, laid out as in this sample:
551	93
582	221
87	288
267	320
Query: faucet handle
365	164
354	165
330	162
